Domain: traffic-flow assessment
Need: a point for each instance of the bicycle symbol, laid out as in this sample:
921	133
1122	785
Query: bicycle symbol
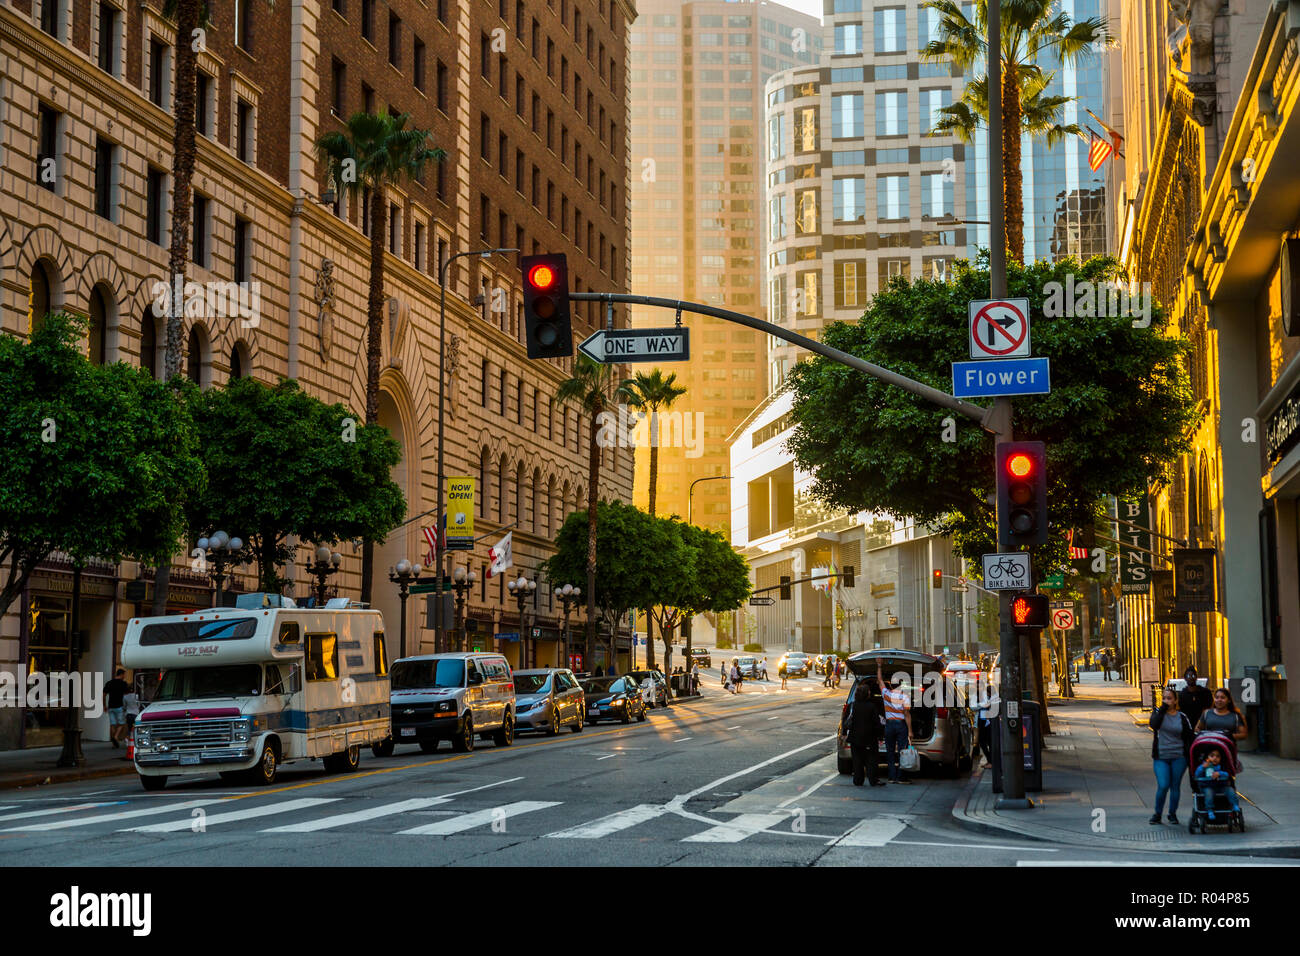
1011	567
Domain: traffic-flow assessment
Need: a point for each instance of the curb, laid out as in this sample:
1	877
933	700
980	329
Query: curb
41	779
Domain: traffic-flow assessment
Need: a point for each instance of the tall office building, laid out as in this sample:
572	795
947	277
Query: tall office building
697	78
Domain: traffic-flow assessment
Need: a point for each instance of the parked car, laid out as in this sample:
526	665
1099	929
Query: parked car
943	735
456	697
793	664
751	669
613	698
659	686
547	699
699	656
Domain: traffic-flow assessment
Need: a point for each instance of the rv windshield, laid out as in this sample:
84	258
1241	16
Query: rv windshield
418	675
196	683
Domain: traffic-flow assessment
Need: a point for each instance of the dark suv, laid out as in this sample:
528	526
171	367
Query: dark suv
700	656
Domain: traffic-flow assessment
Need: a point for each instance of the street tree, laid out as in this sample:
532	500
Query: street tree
594	387
1117	415
720	579
376	152
99	461
654	392
282	463
1034	32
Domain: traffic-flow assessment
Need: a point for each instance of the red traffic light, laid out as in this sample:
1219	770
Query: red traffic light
937	578
1020	465
541	277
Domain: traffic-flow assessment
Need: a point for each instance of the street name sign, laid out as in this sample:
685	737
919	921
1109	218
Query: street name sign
1008	572
999	328
762	600
637	345
984	379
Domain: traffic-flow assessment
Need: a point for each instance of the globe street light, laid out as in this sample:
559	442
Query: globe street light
462	579
568	596
327	563
521	590
221	549
404	575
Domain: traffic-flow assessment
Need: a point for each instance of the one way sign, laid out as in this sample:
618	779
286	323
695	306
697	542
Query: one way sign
638	345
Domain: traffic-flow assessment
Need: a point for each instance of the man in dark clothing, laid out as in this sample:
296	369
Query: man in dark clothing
114	692
1194	699
862	730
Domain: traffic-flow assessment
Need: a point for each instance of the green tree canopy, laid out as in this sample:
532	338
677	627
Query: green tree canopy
1116	417
281	463
98	460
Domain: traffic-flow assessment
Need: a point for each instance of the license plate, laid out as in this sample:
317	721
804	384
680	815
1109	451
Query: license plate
408	732
189	760
593	711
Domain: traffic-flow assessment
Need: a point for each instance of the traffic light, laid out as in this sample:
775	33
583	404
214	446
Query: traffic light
936	579
546	306
1022	492
846	576
1030	611
785	587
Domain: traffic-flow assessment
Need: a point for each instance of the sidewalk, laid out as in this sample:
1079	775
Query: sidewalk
34	767
1099	789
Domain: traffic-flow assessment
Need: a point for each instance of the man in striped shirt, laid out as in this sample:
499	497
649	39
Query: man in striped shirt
898	724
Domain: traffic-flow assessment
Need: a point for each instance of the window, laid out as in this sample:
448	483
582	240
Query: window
195	357
891	197
155	196
849	199
395	229
199	233
322	657
245	130
776	137
442	10
936	195
848	38
417	64
850	284
105	178
47	156
202	94
159	71
484	137
339	7
381	654
242	252
244	24
368	20
805	129
932	102
846	116
806	221
394	39
339	73
519	95
485	56
50	21
367	98
109	21
891	30
776	217
98	327
811	284
149	342
419	247
442	87
891	114
519	171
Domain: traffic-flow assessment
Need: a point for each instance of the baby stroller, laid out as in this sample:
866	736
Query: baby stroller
1220	802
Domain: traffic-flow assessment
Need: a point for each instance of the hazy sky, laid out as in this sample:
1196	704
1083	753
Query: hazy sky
811	7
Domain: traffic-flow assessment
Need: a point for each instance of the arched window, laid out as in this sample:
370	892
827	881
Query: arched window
538	518
520	492
503	499
150	323
98	330
484	483
239	362
196	359
40	297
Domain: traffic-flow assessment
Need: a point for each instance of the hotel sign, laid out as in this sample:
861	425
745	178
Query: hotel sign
1282	428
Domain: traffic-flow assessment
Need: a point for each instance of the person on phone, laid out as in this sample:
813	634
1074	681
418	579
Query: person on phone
1173	737
898	724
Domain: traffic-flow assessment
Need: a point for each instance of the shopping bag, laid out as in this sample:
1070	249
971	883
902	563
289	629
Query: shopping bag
909	759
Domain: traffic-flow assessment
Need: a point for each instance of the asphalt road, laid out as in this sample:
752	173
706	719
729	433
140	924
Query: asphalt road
745	779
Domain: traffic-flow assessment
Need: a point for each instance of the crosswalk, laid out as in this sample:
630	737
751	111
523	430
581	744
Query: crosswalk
461	813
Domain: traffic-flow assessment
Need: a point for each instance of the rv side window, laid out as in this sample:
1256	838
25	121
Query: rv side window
381	655
274	680
294	684
288	632
322	657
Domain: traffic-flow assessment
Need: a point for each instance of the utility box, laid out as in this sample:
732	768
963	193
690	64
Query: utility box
1031	732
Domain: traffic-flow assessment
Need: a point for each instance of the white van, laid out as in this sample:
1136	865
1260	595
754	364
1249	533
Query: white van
245	689
455	696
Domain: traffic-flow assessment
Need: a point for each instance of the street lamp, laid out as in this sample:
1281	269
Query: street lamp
875	634
327	563
568	596
521	590
438	530
691	491
462	580
404	575
221	549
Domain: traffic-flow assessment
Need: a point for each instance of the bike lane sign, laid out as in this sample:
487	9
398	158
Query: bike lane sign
1008	572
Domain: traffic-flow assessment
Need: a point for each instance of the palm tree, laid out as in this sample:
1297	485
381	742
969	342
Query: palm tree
595	387
374	152
1032	30
653	392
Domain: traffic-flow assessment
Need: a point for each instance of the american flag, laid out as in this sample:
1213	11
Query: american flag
1099	150
1077	554
432	540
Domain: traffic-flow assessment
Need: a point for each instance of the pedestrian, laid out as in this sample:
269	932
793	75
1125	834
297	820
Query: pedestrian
862	730
737	678
114	693
1104	660
840	668
1173	736
1194	699
1223	716
762	668
898	724
599	672
1216	780
695	678
726	675
987	712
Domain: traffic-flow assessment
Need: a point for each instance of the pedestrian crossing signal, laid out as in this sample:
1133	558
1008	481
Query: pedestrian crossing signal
1030	611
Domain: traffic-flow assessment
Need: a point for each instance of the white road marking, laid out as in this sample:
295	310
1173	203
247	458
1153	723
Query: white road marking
810	791
777	717
680	739
736	727
613	823
733	831
875	831
360	816
175	826
46	813
480	818
1184	860
977	846
114	817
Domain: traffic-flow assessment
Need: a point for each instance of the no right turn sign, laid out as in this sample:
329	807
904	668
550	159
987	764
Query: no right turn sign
999	328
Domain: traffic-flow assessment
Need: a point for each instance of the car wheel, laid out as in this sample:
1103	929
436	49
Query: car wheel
553	727
152	783
844	764
627	716
263	774
429	746
506	735
344	762
641	716
464	741
384	748
577	726
965	763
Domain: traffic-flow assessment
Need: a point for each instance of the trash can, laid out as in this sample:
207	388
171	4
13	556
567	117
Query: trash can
675	684
1031	732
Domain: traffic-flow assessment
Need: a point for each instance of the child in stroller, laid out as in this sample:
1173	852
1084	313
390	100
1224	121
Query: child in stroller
1214	755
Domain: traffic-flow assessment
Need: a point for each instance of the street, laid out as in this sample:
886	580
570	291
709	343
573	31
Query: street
723	780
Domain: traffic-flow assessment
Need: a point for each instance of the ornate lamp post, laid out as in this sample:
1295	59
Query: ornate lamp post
568	596
221	549
462	579
327	563
404	575
521	590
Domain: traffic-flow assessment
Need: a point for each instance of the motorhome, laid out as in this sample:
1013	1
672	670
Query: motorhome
246	689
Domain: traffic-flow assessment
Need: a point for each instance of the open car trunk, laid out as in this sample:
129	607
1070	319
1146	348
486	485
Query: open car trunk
915	665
